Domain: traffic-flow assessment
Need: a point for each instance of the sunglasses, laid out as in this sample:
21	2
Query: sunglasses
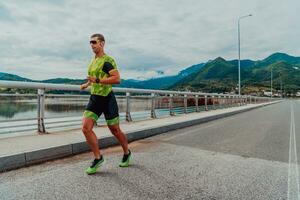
93	42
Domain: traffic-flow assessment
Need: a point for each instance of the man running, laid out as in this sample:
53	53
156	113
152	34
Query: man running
102	73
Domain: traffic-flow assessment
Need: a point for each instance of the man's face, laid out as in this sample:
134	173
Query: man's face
96	45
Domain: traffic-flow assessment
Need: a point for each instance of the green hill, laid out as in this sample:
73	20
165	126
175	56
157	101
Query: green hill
220	75
217	75
12	77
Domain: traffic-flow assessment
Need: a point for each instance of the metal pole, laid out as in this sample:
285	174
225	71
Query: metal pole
239	50
41	111
185	104
197	103
171	105
271	82
205	101
128	116
153	114
228	102
239	57
280	86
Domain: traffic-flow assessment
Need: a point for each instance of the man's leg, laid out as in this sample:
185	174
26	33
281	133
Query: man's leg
117	132
91	138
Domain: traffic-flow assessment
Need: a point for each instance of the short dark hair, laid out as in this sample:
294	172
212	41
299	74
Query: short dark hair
98	36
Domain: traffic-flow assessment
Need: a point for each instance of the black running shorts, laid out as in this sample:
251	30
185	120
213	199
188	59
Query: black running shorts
103	104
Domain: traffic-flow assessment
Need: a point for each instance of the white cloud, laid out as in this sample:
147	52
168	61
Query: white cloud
47	39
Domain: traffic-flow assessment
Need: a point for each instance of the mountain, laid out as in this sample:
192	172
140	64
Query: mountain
12	77
282	57
64	80
191	70
244	63
162	82
154	83
210	77
220	75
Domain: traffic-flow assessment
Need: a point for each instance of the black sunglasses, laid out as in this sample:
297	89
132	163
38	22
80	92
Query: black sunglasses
93	42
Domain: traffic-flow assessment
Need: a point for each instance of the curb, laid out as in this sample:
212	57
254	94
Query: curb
42	155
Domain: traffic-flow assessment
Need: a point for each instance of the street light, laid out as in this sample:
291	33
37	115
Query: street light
280	86
239	48
271	82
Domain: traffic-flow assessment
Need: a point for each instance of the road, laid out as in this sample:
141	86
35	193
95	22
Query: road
252	155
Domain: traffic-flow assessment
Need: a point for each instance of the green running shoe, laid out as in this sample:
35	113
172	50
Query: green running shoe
95	164
126	159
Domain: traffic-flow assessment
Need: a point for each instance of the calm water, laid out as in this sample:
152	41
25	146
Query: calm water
60	107
68	111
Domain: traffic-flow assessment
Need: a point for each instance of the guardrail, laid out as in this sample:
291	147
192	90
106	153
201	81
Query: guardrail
190	99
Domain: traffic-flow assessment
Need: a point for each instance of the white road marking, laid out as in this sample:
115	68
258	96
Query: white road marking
293	173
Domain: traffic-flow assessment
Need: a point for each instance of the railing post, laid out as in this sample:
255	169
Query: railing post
41	111
197	103
250	100
228	101
254	100
205	101
128	115
213	102
220	102
171	105
233	101
185	104
153	114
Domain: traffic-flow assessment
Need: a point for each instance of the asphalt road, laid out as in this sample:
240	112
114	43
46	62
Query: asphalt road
252	155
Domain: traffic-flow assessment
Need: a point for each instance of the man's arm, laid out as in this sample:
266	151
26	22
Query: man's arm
114	78
85	85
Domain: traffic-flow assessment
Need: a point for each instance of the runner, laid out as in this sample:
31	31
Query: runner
102	73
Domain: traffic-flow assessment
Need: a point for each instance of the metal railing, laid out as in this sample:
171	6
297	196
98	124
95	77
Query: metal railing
192	101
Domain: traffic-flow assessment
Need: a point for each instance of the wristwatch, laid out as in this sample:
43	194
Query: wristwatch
97	80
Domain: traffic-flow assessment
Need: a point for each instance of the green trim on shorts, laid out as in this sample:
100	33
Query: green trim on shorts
90	114
112	121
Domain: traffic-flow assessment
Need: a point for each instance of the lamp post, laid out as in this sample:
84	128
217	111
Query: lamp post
239	49
280	86
271	82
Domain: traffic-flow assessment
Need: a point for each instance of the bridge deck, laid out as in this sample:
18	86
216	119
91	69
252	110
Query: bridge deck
25	150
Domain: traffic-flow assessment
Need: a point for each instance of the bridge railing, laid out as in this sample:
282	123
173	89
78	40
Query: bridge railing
157	102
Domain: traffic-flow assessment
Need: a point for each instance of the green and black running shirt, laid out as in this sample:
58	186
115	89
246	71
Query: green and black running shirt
100	67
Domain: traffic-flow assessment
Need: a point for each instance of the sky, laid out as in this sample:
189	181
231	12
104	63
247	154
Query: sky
50	38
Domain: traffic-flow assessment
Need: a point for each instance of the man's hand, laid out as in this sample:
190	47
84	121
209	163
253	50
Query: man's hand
85	85
91	79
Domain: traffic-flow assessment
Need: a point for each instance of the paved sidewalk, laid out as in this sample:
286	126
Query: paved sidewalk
22	151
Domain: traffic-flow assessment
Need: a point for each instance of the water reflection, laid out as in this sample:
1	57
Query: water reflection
10	109
27	107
